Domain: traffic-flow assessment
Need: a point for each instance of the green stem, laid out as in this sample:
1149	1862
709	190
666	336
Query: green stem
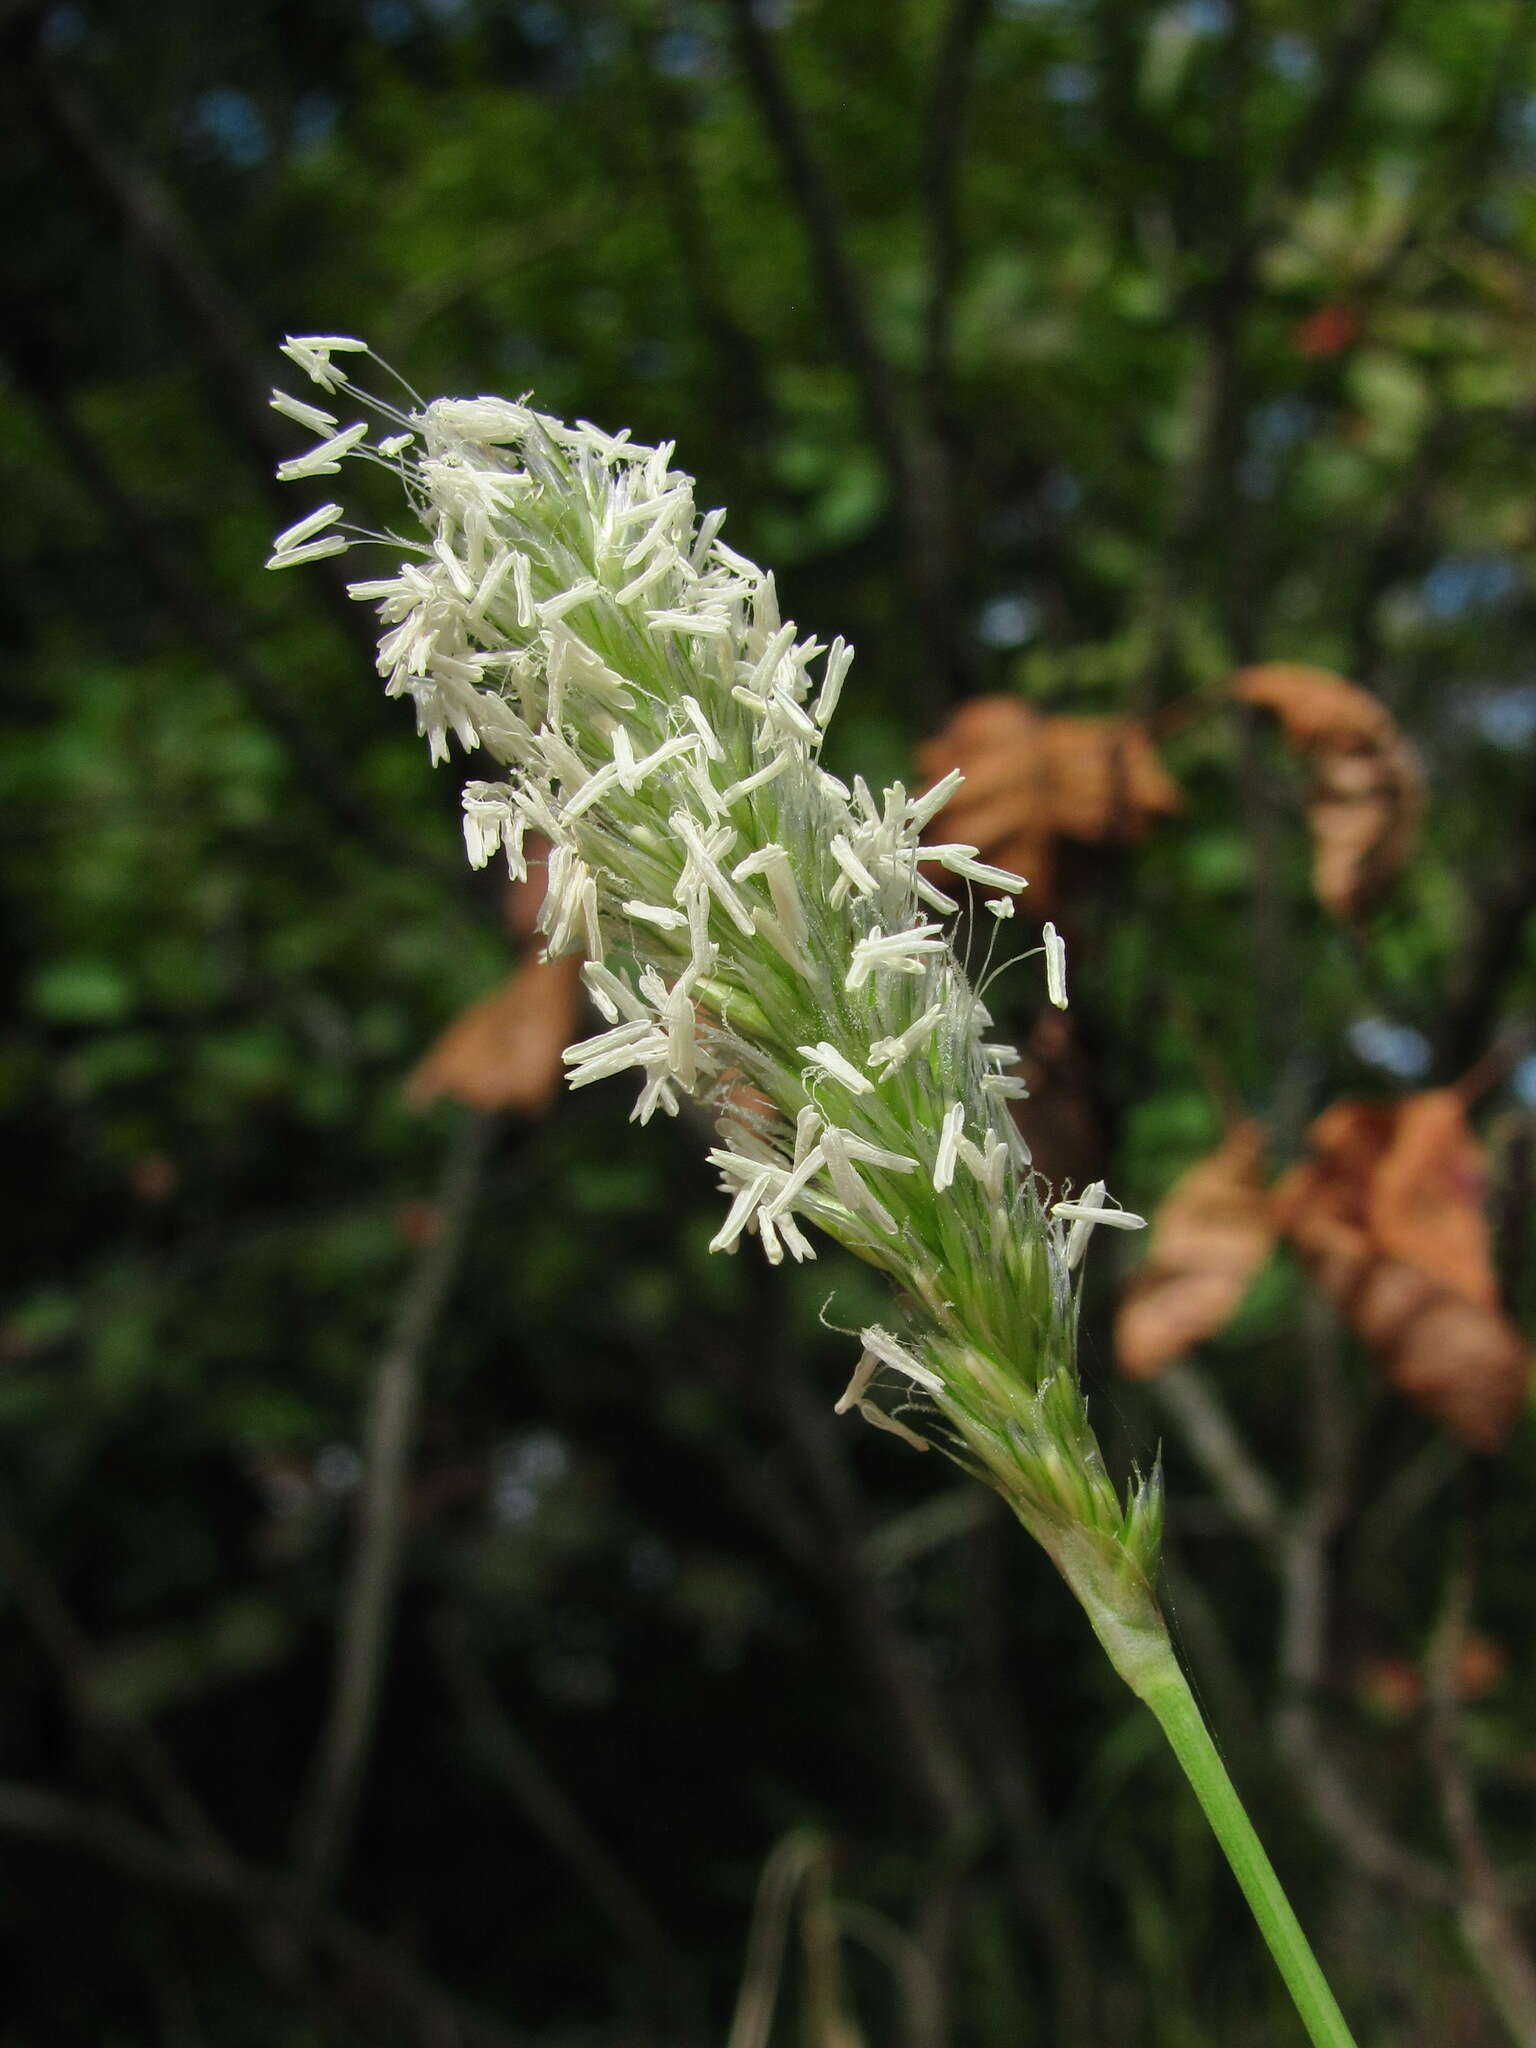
1166	1691
1120	1604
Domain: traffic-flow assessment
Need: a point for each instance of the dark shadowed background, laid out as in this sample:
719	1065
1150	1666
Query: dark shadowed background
437	1603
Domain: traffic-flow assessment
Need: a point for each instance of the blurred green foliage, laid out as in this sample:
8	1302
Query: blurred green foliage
1082	348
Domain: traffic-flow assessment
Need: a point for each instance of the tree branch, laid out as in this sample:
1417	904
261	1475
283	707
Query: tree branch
40	1816
561	1825
836	1552
1486	1917
898	446
1496	951
1296	1546
740	386
1208	1431
202	618
231	358
74	1659
362	1636
939	1765
943	140
1043	1880
1362	29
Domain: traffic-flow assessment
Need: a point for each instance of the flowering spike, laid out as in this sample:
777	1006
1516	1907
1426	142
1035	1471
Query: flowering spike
754	929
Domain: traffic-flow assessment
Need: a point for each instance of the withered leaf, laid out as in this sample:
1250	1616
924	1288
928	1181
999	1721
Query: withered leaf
1395	1687
1367	795
1328	331
1032	780
1386	1213
503	1052
1427	1194
1466	1365
1210	1235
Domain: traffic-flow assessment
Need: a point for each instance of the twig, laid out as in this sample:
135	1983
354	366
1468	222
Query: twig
943	138
789	1868
1310	1530
150	1764
1401	539
896	443
835	1551
1303	1560
1207	483
230	357
1354	1831
44	1817
1484	1913
1493	1066
180	1809
836	276
342	1757
1208	474
740	386
842	1553
1297	1547
1362	29
938	1765
943	141
1495	950
900	1954
1403	1499
1042	1878
552	1814
1185	499
1208	1430
202	618
828	2020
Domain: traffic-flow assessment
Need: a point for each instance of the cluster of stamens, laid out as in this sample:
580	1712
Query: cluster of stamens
758	935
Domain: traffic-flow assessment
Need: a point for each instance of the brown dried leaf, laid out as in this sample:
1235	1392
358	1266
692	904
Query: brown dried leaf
1467	1366
1386	1212
1322	1203
1426	1199
1033	780
1212	1232
503	1052
1481	1662
1392	1688
1320	711
154	1176
1367	795
1105	780
1396	1687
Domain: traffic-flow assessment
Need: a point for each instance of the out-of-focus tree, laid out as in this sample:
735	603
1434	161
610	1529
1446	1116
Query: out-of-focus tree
431	1585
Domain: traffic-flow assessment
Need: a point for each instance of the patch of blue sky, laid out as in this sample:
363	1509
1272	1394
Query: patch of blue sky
1459	584
1391	1048
230	123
